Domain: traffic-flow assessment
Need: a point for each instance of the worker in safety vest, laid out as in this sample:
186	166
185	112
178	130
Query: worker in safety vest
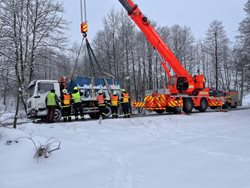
114	100
101	100
77	103
125	103
51	102
66	105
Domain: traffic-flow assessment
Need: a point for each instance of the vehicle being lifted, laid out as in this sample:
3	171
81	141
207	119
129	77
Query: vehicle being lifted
88	87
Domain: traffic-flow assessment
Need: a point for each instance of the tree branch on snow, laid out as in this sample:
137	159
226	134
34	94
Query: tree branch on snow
44	150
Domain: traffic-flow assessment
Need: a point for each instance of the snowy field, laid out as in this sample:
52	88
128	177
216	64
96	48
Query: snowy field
246	100
202	150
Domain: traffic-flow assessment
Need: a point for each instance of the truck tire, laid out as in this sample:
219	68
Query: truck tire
188	105
108	111
203	105
58	115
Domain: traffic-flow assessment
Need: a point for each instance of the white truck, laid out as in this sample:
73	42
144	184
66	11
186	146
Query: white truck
88	87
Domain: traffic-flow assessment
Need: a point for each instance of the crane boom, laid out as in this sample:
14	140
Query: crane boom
182	82
153	37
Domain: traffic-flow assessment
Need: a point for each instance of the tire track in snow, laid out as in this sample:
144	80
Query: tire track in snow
123	176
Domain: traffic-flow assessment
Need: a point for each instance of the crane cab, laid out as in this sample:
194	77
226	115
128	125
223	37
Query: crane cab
178	84
187	85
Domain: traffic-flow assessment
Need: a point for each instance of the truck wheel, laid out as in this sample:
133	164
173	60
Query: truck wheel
203	105
188	105
108	111
58	115
159	111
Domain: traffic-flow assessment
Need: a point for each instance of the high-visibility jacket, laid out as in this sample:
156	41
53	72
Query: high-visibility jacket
114	100
66	100
125	98
101	100
76	97
51	99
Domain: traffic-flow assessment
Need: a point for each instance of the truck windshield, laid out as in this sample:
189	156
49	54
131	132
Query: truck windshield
45	87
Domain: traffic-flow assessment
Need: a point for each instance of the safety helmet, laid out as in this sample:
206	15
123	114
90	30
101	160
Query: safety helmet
75	88
114	93
100	91
123	90
64	91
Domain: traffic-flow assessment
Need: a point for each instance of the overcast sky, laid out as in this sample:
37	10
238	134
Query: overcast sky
197	14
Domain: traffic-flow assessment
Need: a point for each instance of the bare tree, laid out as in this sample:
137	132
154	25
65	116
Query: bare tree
29	25
126	53
244	49
217	46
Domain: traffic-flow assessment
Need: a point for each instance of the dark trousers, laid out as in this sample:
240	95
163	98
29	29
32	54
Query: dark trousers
114	110
102	111
78	109
50	113
125	109
66	112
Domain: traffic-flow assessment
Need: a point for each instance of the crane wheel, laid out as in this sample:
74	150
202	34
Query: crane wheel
203	105
188	105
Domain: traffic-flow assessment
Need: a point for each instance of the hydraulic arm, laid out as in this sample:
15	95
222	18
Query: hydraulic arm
184	82
153	37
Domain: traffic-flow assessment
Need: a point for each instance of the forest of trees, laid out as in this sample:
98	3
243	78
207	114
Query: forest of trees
33	46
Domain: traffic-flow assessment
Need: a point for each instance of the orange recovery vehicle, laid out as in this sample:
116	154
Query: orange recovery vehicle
184	91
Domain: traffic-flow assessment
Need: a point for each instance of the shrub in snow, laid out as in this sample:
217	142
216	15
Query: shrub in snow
44	150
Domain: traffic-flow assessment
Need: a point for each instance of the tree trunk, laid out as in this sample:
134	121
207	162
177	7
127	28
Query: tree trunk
17	110
150	69
216	61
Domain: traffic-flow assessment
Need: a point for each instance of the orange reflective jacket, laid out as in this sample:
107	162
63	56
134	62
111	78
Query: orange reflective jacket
125	97
100	100
114	100
66	99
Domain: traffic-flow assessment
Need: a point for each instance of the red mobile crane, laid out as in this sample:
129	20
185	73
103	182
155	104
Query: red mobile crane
189	89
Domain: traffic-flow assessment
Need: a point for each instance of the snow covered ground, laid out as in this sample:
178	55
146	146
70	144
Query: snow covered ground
246	100
203	150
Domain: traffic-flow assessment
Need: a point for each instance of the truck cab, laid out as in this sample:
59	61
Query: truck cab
38	90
